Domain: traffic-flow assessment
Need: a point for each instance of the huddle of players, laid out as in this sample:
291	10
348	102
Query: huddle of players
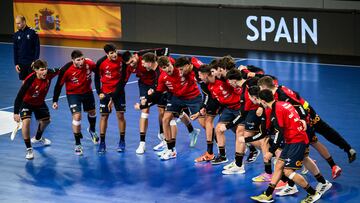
260	112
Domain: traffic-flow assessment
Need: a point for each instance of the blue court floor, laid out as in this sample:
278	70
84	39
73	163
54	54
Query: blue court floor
58	175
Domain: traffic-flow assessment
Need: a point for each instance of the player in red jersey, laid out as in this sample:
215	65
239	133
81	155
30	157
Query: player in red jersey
111	76
31	99
282	93
289	129
76	75
184	93
147	81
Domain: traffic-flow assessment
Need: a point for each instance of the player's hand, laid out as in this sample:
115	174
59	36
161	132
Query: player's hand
222	127
110	104
195	116
101	96
143	102
303	124
150	91
137	106
17	118
203	111
55	105
259	111
251	75
17	68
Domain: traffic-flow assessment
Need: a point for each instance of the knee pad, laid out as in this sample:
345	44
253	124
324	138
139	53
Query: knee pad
76	123
144	115
172	123
291	176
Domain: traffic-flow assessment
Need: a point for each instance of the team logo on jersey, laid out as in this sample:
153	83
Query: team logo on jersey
75	80
28	36
19	37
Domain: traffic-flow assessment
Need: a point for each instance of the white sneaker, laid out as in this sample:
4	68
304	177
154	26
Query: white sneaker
141	148
230	165
43	141
193	136
311	198
161	136
29	153
78	150
234	170
322	188
169	154
162	152
304	170
287	190
161	146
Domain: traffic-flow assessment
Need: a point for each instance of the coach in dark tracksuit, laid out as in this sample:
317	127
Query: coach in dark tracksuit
26	47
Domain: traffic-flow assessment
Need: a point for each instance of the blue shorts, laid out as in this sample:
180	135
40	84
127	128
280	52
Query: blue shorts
176	105
119	103
228	115
252	121
40	112
143	89
212	107
76	100
293	155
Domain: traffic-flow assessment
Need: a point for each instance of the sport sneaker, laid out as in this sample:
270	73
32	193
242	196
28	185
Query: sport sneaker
281	184
287	190
160	153
93	136
263	198
322	188
169	154
264	177
205	157
78	150
351	155
121	146
234	170
253	155
29	153
311	198
219	160
193	136
336	171
141	148
227	166
161	146
44	141
102	148
161	136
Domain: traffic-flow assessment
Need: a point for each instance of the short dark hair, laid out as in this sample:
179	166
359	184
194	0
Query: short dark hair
182	61
109	47
205	69
126	56
254	90
163	61
252	81
234	74
149	57
36	65
266	81
266	95
227	62
214	64
76	54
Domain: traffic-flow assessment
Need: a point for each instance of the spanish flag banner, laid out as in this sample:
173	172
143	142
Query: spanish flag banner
80	20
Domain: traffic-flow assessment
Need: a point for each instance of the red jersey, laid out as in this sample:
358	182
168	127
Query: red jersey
285	117
146	77
183	87
76	80
111	73
34	90
225	94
